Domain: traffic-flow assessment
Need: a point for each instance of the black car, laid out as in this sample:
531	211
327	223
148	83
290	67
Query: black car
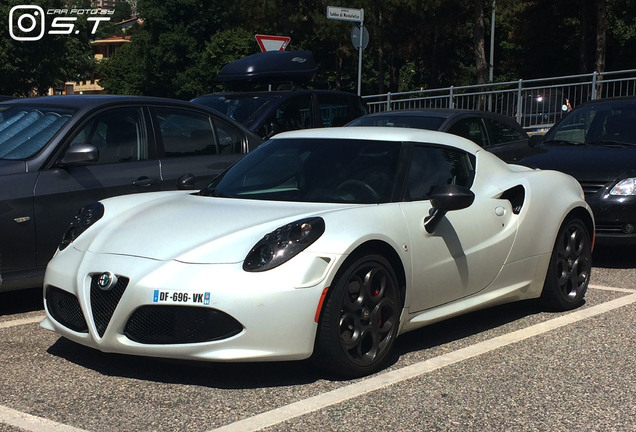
58	153
269	112
496	133
596	144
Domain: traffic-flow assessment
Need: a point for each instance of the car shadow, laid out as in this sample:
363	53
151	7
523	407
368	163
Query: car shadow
276	374
244	375
22	301
614	257
463	326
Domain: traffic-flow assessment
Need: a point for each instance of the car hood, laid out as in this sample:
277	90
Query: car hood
191	228
585	163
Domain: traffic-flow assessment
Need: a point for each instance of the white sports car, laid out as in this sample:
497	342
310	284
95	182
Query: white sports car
322	243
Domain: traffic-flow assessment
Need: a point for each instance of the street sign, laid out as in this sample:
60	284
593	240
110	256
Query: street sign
356	15
345	14
272	43
355	37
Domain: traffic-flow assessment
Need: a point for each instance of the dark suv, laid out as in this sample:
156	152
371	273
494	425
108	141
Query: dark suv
270	112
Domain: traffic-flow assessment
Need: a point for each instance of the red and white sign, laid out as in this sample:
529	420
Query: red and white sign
272	43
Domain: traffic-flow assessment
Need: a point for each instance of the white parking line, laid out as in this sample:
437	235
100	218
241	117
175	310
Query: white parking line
376	382
33	423
604	288
22	321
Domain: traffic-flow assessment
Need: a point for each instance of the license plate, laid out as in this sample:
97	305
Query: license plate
180	297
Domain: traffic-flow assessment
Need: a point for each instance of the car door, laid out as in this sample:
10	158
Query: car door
195	143
126	164
17	222
468	248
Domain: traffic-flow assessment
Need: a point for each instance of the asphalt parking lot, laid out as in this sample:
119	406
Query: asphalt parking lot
512	368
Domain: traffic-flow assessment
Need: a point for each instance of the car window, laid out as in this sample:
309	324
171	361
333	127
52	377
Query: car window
25	130
293	114
334	109
501	133
472	129
230	138
186	132
119	134
314	170
618	125
241	108
435	166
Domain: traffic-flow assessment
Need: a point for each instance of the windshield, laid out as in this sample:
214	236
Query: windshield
418	122
609	122
25	130
238	107
313	170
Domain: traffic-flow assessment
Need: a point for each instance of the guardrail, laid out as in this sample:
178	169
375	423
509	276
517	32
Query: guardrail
536	104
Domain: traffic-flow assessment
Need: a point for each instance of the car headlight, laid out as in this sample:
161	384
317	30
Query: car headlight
85	217
282	244
625	187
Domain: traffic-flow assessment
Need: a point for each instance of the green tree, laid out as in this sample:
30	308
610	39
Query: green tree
182	45
165	55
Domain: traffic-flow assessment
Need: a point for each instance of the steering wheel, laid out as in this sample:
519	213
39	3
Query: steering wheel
357	190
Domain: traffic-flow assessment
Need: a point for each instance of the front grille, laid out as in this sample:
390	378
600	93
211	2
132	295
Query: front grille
103	303
65	309
179	325
609	229
592	187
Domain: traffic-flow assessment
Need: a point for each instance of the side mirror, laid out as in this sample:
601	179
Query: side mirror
535	140
445	198
83	154
186	182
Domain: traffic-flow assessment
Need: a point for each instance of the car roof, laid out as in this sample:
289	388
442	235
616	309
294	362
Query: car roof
628	99
381	133
87	101
432	112
274	93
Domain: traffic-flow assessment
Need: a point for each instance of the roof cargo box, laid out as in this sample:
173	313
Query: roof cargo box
270	66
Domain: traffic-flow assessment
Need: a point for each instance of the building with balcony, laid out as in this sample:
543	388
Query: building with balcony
102	50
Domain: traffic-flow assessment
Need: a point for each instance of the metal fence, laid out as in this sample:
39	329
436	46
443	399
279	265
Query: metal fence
536	104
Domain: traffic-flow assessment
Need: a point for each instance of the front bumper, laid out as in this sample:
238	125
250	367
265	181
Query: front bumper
615	218
215	312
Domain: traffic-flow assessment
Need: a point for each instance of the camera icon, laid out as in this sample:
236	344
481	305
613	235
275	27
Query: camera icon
25	21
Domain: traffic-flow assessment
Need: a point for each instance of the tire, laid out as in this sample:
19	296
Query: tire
360	318
570	266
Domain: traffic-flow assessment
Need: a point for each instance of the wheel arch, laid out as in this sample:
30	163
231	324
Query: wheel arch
325	354
582	214
375	247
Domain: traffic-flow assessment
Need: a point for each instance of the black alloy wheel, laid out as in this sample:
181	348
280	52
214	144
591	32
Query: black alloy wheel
569	269
360	318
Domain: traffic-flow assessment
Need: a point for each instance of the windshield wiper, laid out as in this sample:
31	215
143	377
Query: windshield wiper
562	142
208	191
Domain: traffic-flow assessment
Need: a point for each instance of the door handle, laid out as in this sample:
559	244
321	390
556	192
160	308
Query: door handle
144	182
